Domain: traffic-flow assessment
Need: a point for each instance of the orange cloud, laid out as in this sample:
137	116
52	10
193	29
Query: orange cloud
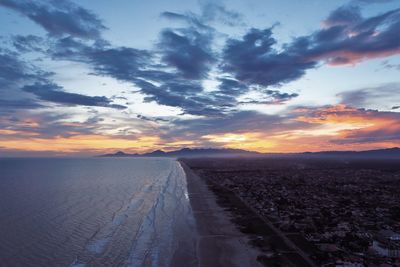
337	127
80	143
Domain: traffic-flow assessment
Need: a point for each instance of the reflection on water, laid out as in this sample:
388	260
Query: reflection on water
94	212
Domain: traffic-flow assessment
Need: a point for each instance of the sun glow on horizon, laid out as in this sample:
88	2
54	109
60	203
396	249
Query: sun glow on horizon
324	128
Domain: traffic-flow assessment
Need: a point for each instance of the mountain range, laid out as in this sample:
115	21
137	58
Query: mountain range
228	152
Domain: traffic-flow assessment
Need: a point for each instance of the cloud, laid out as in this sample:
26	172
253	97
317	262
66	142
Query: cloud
212	11
344	15
17	77
346	38
28	43
12	69
271	97
59	18
383	96
356	38
54	93
352	125
15	73
387	65
189	51
190	19
232	87
173	72
186	58
184	94
372	1
253	60
234	122
123	63
8	106
175	82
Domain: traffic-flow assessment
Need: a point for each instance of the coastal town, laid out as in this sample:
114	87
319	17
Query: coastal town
338	212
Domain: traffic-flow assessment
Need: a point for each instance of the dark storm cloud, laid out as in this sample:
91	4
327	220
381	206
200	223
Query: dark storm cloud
59	17
158	82
12	69
54	93
253	60
356	39
347	38
188	50
182	94
172	73
344	15
123	63
232	87
185	53
15	73
137	67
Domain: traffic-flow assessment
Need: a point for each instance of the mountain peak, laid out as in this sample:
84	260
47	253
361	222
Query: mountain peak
393	152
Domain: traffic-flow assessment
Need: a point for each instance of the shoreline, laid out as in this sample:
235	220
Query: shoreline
268	245
219	243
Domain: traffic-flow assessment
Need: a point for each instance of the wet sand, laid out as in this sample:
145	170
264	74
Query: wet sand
220	243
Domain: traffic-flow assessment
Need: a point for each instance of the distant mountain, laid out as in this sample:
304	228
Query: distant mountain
190	152
228	152
119	154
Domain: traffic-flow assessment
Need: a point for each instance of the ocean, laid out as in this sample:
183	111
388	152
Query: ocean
95	212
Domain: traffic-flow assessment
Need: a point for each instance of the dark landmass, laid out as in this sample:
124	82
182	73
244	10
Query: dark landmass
226	152
190	152
378	153
332	211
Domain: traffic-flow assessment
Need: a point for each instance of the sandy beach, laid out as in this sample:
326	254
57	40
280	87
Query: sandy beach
220	243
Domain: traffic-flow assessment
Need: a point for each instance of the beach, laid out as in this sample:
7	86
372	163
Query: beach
220	243
261	242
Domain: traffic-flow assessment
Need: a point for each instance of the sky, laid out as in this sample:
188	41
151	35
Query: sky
90	77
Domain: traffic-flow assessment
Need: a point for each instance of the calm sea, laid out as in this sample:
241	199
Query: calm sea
94	212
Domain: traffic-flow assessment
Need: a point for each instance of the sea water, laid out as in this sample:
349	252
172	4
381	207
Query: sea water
94	212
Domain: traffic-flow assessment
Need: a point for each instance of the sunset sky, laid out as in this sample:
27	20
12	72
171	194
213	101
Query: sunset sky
89	77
